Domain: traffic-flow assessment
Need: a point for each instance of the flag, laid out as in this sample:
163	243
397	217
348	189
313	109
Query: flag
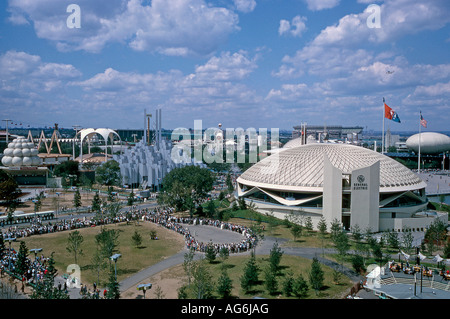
423	122
405	255
391	114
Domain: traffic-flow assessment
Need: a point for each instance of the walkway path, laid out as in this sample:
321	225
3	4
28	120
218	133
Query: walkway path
263	248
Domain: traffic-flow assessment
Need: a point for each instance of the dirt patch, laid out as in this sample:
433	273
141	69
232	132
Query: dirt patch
167	282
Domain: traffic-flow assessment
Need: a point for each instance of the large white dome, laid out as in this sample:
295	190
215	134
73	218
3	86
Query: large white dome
302	168
430	143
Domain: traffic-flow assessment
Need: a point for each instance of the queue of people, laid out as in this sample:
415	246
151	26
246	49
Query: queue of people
162	216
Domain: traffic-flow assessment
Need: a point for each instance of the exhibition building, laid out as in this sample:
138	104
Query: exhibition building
347	183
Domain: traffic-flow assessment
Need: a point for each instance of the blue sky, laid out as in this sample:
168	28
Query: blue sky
242	63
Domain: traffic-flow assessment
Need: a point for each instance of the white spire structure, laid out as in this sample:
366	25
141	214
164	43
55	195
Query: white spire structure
147	163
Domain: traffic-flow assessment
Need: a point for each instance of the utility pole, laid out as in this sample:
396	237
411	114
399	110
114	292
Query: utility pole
75	127
7	121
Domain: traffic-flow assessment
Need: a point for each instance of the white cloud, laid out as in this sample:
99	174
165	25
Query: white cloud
245	5
227	67
215	87
176	27
316	5
342	48
398	18
33	88
438	89
295	28
30	68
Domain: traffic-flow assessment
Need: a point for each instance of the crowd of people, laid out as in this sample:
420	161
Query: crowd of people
163	216
36	267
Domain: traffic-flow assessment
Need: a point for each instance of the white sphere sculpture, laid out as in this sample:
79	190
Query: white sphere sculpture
21	152
26	152
7	160
17	161
27	161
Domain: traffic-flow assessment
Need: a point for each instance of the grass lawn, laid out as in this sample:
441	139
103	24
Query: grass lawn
133	258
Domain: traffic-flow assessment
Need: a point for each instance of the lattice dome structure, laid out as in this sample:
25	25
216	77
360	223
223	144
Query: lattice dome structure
351	183
301	168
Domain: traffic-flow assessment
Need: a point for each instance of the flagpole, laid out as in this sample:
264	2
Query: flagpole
382	134
420	131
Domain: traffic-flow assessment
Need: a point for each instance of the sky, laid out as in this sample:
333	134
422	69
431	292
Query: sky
242	63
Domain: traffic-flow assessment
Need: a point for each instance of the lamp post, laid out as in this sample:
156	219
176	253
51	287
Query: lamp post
57	203
115	257
10	239
35	250
144	287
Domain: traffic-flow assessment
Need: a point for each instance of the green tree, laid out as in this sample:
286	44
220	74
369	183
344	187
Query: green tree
108	173
300	287
270	280
210	253
74	242
113	209
38	202
67	168
288	284
202	283
392	239
98	262
356	233
185	187
322	226
229	183
9	189
224	285
224	253
296	230
336	228
112	288
188	264
130	200
22	260
210	209
111	197
435	234
77	199
377	251
96	202
250	277
46	289
407	240
107	241
275	258
358	264
308	224
342	244
137	239
446	251
316	275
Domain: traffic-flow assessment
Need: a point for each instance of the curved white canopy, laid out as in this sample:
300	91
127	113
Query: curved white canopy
104	132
